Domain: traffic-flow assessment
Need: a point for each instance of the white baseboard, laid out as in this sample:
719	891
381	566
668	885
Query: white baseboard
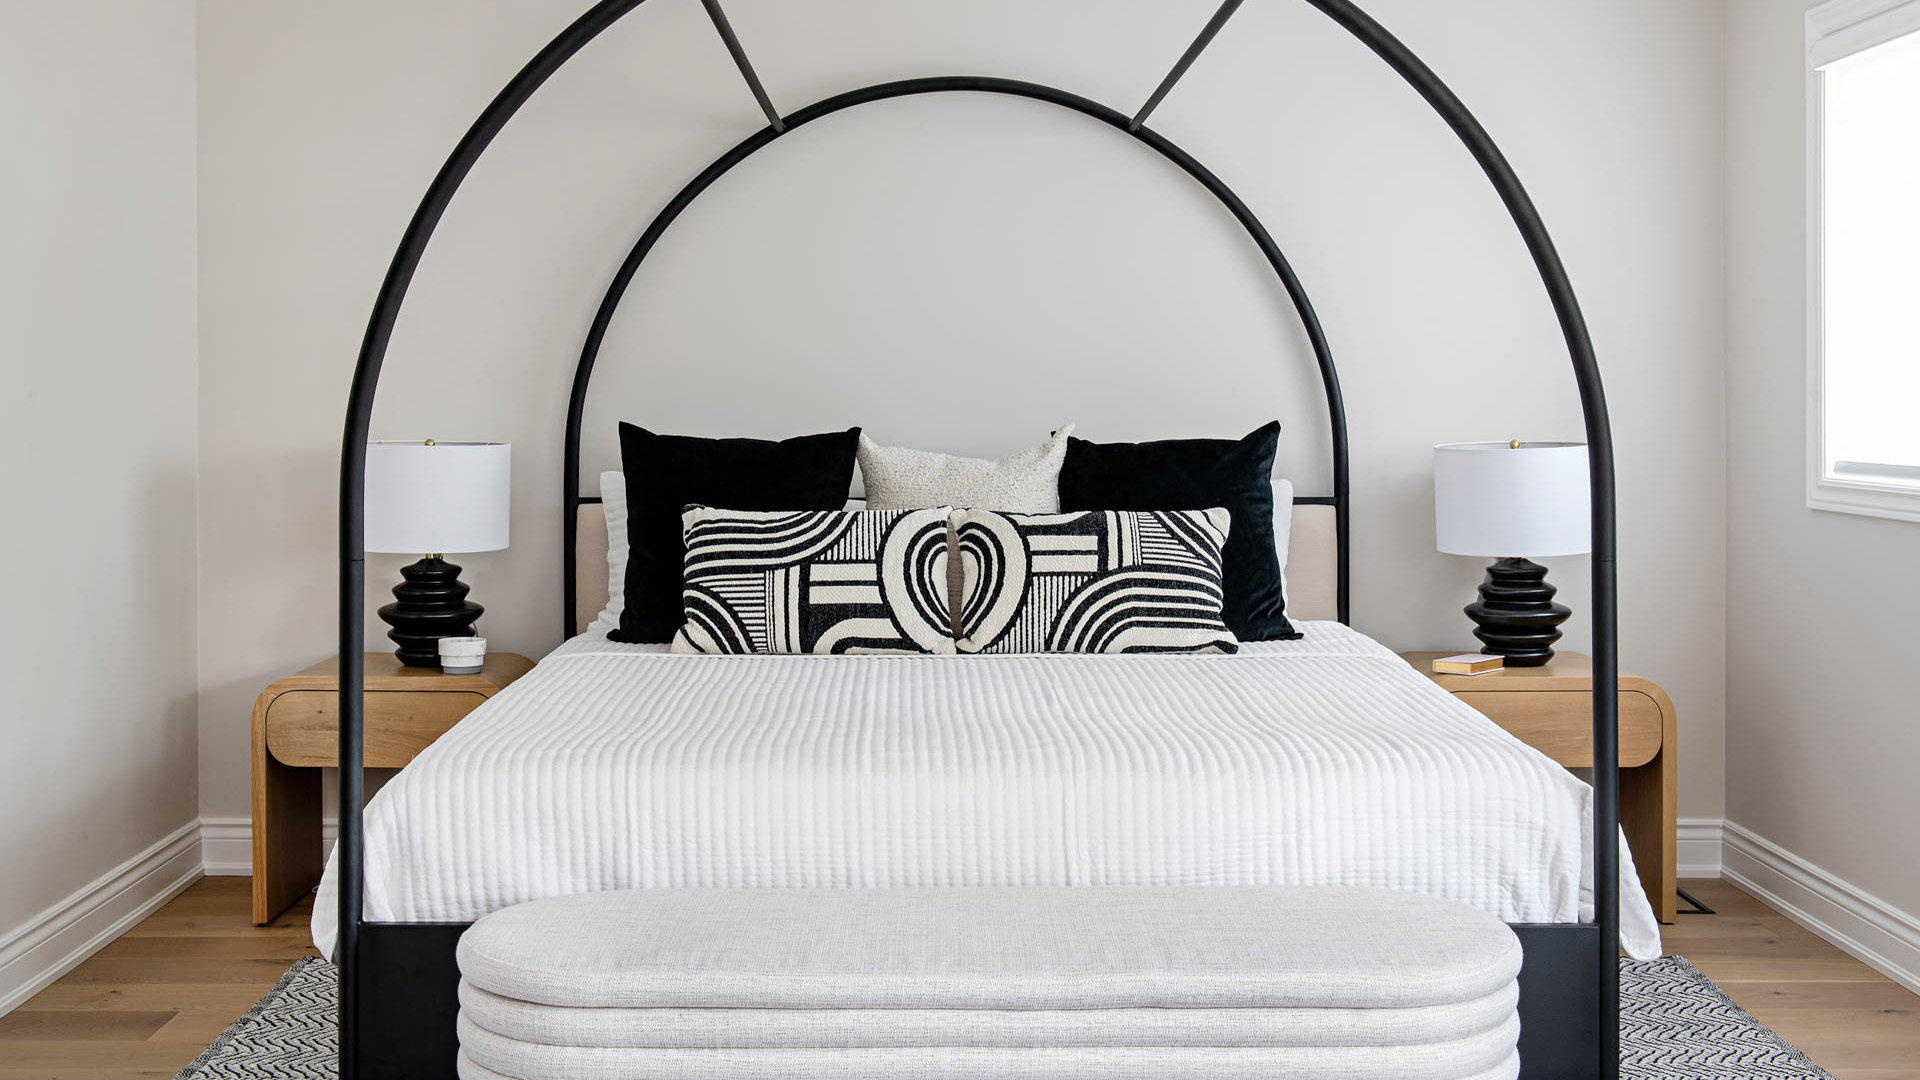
226	847
1861	924
1699	847
226	844
55	941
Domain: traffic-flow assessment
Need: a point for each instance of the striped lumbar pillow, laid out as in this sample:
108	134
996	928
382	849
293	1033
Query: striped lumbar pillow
1098	581
815	581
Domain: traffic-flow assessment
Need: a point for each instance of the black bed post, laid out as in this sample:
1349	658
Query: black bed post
1593	402
353	476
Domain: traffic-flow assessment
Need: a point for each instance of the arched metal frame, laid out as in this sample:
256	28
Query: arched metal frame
603	318
1403	62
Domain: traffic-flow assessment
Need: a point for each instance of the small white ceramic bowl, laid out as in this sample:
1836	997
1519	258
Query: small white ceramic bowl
462	655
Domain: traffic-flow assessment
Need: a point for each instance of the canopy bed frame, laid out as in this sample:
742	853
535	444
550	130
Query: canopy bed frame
397	980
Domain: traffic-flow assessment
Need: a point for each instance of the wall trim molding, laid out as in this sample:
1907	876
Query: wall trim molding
55	941
1875	932
1699	847
226	844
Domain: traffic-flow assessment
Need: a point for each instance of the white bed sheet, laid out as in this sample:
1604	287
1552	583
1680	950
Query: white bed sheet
1322	761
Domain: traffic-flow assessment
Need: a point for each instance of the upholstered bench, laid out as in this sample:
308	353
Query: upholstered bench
916	984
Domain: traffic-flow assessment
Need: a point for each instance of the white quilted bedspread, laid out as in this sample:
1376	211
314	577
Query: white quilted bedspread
1324	761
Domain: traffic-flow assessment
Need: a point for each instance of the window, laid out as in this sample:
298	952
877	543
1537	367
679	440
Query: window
1863	246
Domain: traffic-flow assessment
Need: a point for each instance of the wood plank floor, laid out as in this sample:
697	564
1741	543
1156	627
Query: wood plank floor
1851	1020
151	1001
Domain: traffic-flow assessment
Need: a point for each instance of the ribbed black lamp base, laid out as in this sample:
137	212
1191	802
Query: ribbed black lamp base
1515	616
429	605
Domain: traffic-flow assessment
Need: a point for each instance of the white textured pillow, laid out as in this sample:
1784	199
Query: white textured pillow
898	478
613	499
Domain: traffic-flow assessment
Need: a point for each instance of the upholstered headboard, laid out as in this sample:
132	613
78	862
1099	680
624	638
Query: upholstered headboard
1313	560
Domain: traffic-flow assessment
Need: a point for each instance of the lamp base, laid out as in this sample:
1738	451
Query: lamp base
429	605
1515	616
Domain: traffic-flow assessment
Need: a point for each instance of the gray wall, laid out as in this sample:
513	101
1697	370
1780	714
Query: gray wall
1824	726
959	274
97	386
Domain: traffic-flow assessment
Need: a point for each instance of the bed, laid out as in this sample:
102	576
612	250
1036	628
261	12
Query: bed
1322	761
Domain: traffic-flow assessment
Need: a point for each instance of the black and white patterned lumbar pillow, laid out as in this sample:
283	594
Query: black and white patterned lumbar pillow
1098	581
815	581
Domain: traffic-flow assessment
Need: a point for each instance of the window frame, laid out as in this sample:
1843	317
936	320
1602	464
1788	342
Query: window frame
1837	30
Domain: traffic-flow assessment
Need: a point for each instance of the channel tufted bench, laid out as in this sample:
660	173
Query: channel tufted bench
929	984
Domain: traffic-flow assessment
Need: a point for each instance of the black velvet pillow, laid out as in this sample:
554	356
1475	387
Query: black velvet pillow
1195	474
667	472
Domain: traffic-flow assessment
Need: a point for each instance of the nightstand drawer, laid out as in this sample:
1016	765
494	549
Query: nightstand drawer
1558	723
303	726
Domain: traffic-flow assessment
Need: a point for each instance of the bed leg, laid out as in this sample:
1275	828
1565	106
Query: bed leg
1559	1001
409	999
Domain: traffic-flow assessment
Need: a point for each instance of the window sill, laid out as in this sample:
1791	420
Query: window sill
1900	502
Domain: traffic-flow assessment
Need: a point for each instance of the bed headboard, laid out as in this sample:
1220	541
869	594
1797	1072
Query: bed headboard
1313	563
1320	523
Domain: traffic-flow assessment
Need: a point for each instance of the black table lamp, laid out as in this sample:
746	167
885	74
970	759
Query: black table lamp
429	498
1513	502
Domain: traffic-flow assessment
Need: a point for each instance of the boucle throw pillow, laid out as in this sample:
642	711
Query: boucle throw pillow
816	581
899	478
1112	581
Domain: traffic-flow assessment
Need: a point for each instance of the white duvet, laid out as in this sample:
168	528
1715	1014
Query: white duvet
1323	761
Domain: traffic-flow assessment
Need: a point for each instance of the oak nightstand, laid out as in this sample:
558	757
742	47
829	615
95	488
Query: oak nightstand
296	733
1551	709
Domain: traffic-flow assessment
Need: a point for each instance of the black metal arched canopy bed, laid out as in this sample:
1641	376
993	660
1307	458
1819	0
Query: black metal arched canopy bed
398	978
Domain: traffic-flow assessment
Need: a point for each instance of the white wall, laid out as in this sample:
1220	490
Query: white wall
97	442
1824	724
959	273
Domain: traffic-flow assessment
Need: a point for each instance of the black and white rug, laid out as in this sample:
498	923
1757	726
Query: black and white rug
1674	1025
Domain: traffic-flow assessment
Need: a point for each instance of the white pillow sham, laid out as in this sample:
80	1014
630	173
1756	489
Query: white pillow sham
613	499
1282	527
901	478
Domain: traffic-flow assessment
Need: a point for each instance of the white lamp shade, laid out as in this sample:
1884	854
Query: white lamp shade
433	498
1494	499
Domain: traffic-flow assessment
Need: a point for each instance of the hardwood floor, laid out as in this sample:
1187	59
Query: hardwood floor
1851	1020
150	1002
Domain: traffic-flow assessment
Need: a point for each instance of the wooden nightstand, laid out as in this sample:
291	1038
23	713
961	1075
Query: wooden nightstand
1551	709
296	733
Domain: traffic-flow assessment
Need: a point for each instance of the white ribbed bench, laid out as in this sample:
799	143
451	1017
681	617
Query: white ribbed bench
918	984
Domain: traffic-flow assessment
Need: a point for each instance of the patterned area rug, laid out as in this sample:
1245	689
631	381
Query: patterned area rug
1674	1025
